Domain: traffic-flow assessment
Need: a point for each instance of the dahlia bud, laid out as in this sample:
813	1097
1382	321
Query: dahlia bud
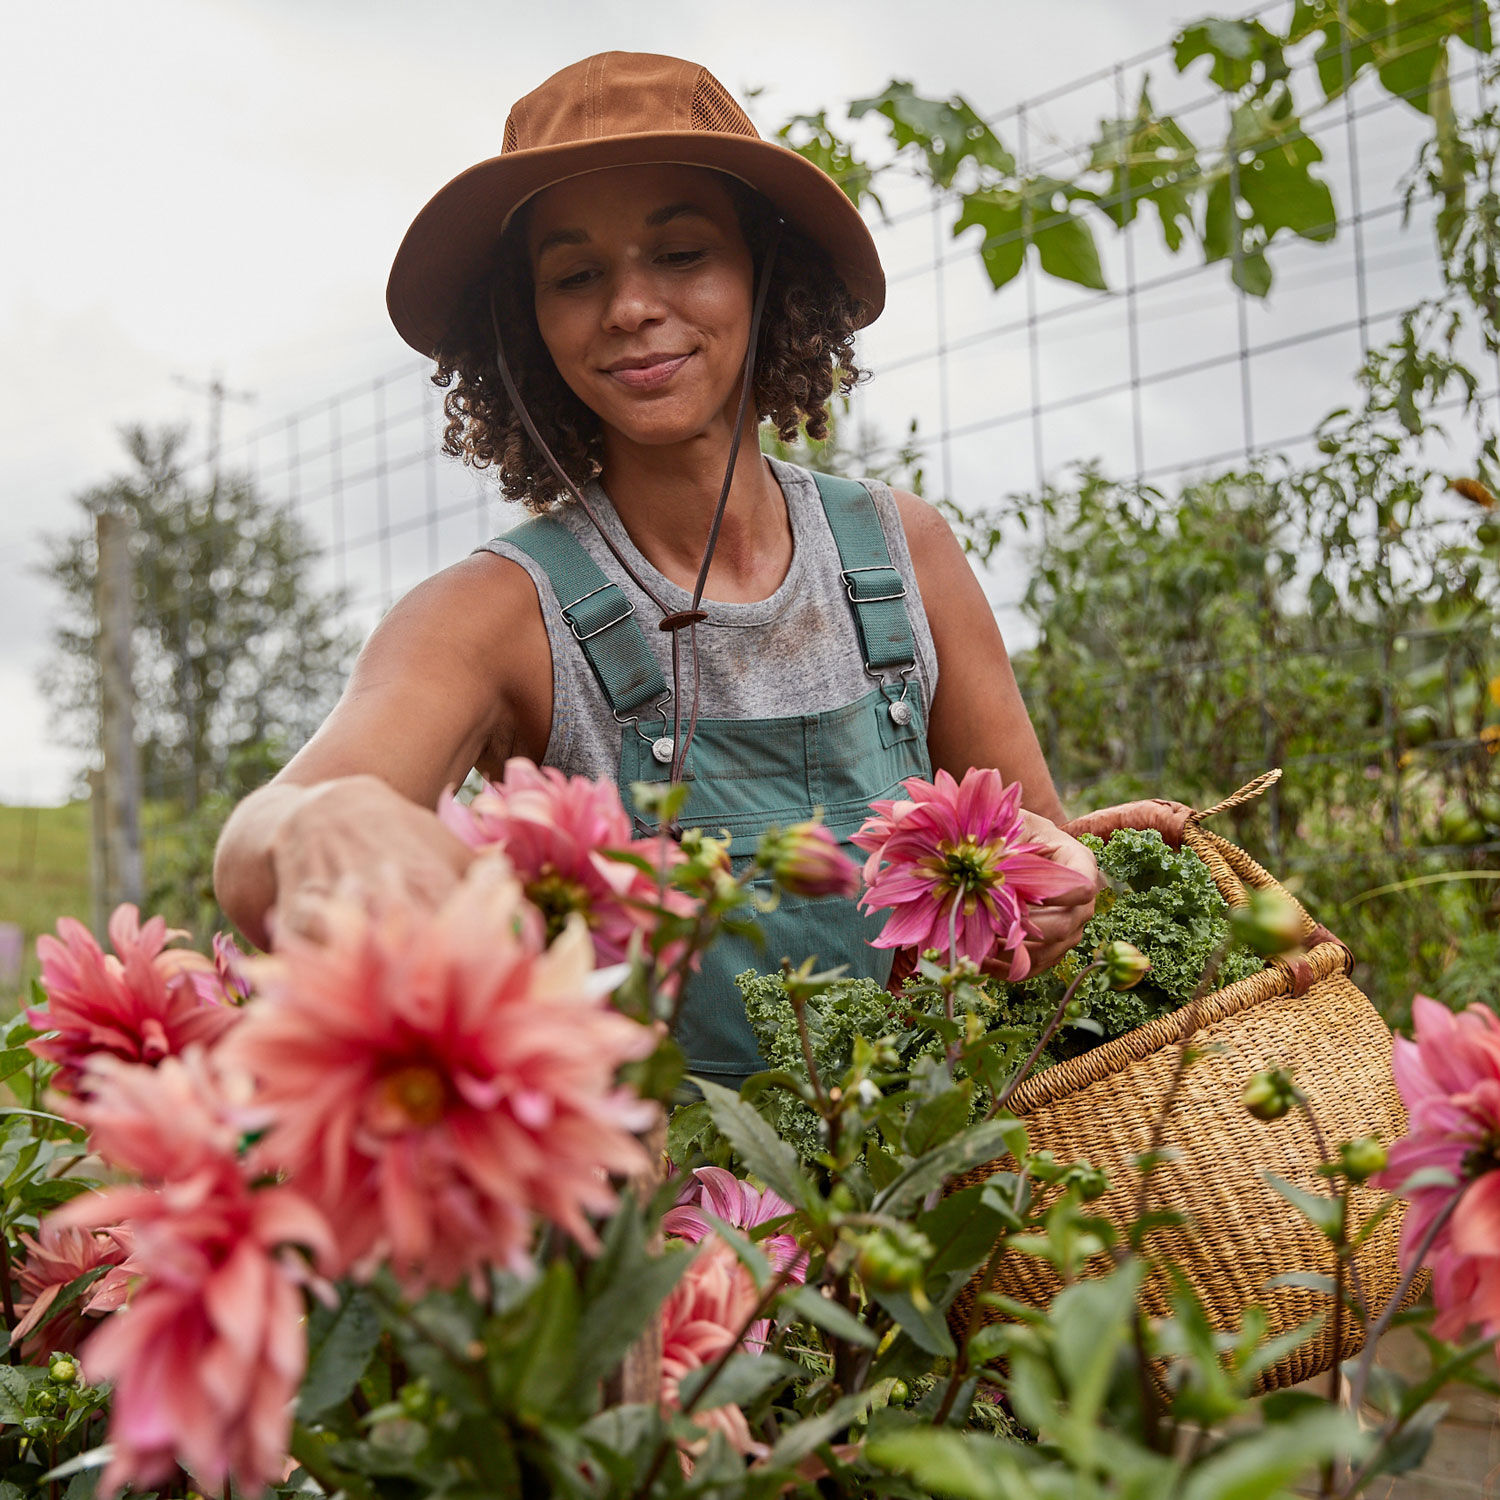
894	1260
805	860
1124	964
1270	1095
1268	923
1361	1159
63	1371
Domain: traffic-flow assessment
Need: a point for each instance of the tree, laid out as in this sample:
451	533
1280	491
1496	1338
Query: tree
234	642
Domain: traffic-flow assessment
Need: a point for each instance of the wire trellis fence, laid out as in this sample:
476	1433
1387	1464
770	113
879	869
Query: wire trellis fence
1171	375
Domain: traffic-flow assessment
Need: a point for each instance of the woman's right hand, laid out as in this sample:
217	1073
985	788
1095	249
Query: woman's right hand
359	827
323	835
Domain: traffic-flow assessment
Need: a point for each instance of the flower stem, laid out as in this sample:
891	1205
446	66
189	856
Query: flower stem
961	1364
1052	1028
1383	1322
762	1306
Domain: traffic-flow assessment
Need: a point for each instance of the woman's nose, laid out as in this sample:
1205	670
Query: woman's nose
633	297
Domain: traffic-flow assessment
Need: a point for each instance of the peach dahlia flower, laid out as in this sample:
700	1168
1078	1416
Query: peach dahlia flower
207	1356
142	1003
438	1080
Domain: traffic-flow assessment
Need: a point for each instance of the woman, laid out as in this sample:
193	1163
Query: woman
615	303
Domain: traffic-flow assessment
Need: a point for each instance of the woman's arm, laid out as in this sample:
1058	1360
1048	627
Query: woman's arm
458	674
978	717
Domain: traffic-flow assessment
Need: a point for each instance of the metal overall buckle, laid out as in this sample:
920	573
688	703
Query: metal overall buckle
899	709
661	744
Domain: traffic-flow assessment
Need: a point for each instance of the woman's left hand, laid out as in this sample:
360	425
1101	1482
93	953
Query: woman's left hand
1058	921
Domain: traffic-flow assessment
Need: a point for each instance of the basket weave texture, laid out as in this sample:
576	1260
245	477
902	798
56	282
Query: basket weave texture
1100	1108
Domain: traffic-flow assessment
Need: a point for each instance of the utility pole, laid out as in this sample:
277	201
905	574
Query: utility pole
218	393
117	813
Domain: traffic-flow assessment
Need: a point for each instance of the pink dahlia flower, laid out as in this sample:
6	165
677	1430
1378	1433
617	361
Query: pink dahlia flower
438	1079
736	1203
557	832
1449	1078
207	1356
952	860
54	1257
700	1319
142	1003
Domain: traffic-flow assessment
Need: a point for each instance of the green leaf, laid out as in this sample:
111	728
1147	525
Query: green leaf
797	1442
967	1465
1326	1214
965	1227
1090	1321
758	1146
1150	159
92	1458
948	132
1066	247
75	1289
1263	1465
1236	47
16	1385
14	1059
937	1119
1275	158
997	211
924	1326
540	1366
832	1317
1310	1280
744	1379
987	1141
625	1287
340	1341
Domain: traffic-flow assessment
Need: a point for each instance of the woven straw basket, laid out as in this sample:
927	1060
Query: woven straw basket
1306	1015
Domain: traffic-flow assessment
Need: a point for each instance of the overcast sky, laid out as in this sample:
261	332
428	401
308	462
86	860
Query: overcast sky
201	185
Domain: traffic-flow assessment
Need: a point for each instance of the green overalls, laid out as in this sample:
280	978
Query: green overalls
749	775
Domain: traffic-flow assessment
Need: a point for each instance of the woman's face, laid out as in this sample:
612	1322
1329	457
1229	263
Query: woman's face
644	286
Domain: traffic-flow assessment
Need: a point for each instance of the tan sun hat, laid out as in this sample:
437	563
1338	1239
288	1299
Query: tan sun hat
613	110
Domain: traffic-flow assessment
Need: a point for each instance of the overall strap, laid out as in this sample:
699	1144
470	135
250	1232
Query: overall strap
875	589
599	615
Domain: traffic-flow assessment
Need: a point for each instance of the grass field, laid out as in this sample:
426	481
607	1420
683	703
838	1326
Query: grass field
44	872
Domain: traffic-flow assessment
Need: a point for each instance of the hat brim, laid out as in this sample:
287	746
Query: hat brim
453	241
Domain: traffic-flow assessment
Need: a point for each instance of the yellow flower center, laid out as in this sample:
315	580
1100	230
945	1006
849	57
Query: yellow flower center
411	1097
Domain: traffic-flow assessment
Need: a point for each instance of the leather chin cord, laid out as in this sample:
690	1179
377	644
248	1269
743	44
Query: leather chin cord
672	621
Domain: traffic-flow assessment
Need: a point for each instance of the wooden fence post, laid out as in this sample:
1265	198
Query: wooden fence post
118	784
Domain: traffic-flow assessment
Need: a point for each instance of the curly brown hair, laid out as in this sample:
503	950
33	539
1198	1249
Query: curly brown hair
806	349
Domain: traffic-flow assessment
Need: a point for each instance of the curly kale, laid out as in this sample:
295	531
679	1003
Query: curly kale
847	1009
1162	900
1165	902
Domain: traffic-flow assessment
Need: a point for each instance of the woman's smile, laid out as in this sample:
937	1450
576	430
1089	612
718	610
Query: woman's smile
647	372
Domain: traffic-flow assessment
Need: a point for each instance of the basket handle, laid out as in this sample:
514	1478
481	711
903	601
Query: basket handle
1170	819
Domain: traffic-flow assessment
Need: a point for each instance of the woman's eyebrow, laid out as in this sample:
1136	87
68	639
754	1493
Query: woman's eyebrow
659	216
561	237
654	220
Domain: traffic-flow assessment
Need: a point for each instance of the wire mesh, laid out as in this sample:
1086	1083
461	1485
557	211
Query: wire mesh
1169	376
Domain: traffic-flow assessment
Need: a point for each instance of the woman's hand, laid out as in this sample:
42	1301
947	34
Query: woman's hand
288	845
1059	921
358	826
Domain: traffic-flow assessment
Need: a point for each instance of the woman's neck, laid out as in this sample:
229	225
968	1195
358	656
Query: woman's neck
665	499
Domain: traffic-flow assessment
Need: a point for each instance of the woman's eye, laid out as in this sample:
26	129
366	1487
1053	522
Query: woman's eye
682	257
572	279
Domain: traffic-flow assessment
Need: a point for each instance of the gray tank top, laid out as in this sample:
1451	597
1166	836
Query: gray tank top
796	652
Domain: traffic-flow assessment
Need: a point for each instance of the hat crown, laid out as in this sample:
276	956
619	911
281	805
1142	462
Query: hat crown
623	93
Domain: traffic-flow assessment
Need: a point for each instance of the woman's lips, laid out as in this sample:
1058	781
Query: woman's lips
649	377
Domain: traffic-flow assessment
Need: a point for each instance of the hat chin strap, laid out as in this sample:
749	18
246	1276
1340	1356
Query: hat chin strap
673	621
